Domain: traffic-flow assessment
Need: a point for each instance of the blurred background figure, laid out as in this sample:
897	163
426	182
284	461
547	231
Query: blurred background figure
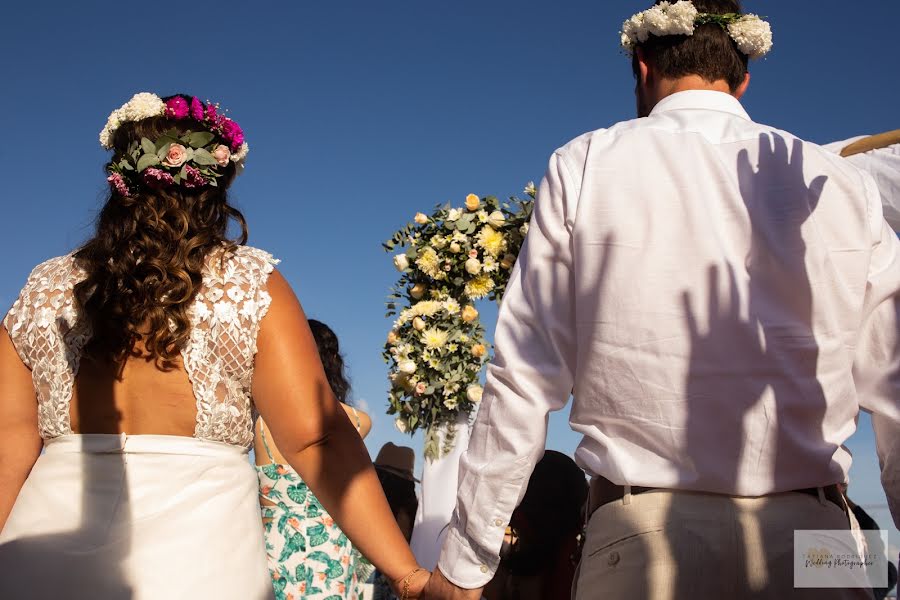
542	546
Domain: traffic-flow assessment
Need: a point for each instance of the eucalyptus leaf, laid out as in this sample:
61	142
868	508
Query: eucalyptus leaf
147	160
163	150
147	146
201	138
203	157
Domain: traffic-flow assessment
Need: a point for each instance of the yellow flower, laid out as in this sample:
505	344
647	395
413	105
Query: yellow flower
473	202
478	350
434	338
469	314
491	240
392	338
479	287
418	290
430	264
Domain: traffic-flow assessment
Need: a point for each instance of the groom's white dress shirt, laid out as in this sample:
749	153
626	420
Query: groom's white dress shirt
720	298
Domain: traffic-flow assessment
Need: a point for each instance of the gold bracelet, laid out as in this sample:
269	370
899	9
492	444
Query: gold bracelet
404	594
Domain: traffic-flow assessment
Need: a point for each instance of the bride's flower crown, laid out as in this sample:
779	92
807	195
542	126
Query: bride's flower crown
190	159
752	35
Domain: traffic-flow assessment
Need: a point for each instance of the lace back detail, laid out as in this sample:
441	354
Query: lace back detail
225	317
225	322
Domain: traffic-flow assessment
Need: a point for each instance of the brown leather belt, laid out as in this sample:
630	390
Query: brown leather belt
603	491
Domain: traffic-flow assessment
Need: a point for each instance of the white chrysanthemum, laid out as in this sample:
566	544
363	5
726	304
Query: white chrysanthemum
434	338
451	306
426	308
752	35
530	189
141	106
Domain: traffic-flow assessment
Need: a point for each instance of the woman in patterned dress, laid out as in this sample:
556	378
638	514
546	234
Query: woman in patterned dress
309	556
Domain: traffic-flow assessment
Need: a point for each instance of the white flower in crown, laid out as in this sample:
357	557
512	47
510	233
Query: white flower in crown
752	35
241	153
401	424
141	106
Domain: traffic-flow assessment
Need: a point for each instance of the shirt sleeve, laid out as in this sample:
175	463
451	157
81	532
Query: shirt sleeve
531	374
877	359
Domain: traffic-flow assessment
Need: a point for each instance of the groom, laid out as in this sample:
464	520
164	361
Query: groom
723	298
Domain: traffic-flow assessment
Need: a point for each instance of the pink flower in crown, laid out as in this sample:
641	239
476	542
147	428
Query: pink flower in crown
194	178
157	178
117	182
196	109
177	107
222	154
233	134
176	156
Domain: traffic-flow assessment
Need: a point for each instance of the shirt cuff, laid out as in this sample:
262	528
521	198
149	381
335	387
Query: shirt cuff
462	565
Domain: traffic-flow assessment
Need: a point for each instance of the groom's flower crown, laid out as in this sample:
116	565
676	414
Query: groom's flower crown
752	35
190	159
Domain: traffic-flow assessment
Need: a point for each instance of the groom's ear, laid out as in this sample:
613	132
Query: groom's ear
642	72
742	88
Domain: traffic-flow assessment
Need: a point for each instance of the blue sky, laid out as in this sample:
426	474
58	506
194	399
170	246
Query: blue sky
361	113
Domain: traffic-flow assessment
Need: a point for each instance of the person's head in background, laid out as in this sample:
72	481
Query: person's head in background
542	541
332	360
394	465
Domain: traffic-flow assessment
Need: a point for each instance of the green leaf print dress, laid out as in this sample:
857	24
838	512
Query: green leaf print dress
309	556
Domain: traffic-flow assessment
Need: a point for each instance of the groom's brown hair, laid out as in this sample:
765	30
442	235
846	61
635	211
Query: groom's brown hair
709	53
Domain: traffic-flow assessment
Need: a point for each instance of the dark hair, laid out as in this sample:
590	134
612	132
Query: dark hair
550	512
330	355
709	53
144	263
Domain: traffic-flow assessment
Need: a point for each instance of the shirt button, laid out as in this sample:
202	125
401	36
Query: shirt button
498	523
484	569
613	558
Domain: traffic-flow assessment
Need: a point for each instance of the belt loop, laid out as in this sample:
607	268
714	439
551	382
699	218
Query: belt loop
822	499
626	497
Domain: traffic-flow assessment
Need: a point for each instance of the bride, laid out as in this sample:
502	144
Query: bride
138	364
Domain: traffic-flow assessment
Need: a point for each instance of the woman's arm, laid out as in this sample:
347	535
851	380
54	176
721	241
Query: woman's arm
360	420
20	442
319	441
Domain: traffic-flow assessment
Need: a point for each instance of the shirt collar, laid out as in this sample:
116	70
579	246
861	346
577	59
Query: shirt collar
702	100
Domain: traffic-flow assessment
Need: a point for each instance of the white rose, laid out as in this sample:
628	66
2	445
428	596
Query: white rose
455	248
407	367
418	324
421	218
473	393
473	266
401	262
454	214
496	219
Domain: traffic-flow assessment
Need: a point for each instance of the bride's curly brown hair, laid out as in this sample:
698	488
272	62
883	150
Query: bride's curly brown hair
144	263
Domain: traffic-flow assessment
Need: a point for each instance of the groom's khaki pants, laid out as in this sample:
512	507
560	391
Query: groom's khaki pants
683	545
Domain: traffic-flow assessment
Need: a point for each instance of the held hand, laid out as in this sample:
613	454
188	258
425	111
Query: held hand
439	588
411	586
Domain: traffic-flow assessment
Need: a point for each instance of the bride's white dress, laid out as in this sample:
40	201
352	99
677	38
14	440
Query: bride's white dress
143	517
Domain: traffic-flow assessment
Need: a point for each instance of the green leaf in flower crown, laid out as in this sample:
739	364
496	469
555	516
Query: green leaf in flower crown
147	146
147	160
203	157
163	150
177	178
201	138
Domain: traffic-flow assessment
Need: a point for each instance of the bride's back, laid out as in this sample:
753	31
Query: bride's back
150	327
